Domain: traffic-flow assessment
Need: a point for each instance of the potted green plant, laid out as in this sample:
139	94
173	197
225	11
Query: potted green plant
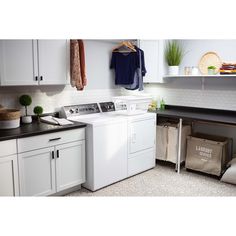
25	100
174	54
211	70
38	110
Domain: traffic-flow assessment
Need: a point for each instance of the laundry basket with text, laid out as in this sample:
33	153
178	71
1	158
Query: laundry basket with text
207	153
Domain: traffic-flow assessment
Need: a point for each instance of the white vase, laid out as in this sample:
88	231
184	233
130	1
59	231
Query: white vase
173	70
26	119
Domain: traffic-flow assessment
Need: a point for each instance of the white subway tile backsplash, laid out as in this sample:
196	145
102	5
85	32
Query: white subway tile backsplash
53	98
196	98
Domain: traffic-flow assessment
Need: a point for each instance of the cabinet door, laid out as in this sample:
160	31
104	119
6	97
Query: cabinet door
141	135
37	172
52	61
154	60
70	165
9	185
17	62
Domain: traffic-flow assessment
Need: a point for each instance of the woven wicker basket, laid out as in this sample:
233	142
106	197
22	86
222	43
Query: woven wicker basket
9	114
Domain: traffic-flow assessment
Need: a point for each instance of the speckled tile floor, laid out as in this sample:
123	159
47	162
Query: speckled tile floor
164	181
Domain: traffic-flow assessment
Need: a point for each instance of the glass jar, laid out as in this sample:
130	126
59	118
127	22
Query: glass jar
187	70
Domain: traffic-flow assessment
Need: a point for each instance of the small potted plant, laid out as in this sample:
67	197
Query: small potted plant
38	110
25	100
174	54
211	70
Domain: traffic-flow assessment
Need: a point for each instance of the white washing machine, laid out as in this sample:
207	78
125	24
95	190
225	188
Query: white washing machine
117	146
106	145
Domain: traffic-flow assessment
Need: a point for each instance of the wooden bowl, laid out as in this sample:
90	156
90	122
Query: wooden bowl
9	114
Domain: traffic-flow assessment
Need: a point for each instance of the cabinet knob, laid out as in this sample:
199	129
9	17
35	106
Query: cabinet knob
58	154
52	154
36	78
41	78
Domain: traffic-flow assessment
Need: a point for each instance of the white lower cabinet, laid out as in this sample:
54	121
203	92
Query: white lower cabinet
49	170
70	165
9	184
37	172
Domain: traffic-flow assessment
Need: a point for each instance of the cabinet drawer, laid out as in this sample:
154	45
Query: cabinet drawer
140	162
7	147
48	140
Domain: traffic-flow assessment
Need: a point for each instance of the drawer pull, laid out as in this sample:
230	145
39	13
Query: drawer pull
58	154
52	154
54	139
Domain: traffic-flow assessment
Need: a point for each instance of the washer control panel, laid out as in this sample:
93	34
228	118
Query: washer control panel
107	106
82	109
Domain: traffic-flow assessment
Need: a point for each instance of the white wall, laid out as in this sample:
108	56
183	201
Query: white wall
98	55
100	83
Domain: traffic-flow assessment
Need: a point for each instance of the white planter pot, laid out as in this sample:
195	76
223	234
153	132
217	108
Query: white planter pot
26	119
211	71
173	70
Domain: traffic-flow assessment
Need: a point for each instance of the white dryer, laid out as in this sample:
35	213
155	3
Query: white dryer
141	139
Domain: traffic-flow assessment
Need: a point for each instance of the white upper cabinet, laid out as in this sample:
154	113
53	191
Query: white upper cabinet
154	60
17	62
52	61
33	62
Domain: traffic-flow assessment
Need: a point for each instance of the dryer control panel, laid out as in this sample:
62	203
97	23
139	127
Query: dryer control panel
107	106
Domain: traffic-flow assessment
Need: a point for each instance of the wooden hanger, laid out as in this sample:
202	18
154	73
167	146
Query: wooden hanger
126	44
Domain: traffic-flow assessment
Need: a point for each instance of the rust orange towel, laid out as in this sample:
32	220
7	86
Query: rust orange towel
77	64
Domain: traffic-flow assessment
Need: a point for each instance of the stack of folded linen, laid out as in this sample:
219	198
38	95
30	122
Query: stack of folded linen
228	68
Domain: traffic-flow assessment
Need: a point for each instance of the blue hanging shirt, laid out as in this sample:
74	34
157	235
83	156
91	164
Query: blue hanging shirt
125	66
140	72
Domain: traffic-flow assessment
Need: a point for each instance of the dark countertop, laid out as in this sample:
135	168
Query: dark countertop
35	128
203	114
